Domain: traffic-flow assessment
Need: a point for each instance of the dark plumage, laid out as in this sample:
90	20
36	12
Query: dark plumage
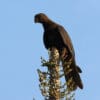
56	36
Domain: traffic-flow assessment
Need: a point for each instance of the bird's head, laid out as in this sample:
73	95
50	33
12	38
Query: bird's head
40	18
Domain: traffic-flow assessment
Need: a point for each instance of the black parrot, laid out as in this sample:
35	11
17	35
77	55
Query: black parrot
56	36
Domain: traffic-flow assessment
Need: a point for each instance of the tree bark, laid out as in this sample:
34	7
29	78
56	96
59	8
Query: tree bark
54	69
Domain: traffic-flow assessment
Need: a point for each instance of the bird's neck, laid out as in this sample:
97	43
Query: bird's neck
48	25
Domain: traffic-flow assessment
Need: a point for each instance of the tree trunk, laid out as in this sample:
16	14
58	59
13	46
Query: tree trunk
54	69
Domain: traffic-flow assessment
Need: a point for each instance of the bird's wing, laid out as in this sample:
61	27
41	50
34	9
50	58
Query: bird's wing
66	39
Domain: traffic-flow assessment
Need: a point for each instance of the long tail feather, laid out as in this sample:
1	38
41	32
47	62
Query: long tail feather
72	76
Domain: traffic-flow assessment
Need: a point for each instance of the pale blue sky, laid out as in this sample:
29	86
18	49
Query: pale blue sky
21	44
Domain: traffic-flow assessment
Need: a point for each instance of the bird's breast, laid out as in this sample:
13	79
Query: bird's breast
52	39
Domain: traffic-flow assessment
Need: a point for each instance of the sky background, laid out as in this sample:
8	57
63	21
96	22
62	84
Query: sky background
21	45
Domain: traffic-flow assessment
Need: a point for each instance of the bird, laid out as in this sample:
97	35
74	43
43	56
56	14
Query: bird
56	36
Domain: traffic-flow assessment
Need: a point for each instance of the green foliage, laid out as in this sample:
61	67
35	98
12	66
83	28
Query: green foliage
50	81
